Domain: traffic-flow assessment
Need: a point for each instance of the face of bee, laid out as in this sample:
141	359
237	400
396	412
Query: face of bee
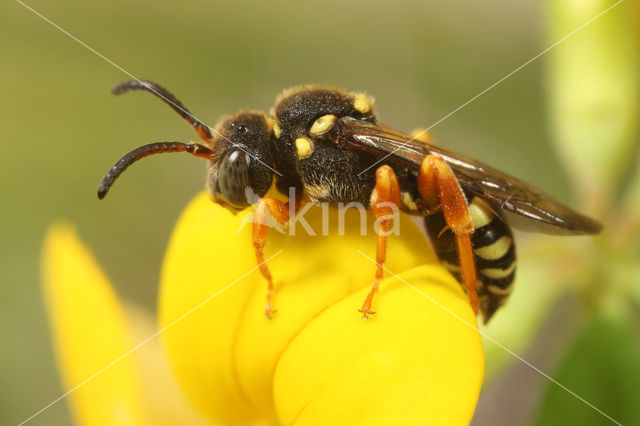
242	171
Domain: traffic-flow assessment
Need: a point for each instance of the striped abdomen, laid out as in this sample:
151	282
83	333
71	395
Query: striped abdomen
493	251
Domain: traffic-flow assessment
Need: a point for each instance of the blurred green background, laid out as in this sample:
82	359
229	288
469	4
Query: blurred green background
62	129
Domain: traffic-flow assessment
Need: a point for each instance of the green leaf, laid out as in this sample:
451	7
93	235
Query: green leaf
602	367
593	80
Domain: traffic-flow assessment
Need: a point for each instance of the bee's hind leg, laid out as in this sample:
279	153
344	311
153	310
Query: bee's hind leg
439	187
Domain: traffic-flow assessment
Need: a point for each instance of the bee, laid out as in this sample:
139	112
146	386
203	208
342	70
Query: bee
328	144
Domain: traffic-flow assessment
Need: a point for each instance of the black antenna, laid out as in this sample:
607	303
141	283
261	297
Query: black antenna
166	96
144	151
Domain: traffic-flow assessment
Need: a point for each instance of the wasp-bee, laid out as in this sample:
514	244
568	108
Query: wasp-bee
328	145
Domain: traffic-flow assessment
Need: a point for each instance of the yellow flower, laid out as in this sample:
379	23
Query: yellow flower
316	362
91	329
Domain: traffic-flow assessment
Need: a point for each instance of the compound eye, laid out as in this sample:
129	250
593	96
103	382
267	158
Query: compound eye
322	125
233	178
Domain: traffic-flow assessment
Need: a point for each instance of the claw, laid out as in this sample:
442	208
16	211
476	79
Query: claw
366	314
269	312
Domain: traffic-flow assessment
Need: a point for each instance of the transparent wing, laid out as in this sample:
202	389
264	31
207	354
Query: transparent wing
518	203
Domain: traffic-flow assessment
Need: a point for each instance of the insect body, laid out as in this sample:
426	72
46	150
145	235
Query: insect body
329	146
494	253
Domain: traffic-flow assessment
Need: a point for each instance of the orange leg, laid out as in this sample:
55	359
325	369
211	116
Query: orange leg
439	187
387	190
276	209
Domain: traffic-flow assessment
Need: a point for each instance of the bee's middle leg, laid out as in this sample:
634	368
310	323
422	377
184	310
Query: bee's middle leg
386	191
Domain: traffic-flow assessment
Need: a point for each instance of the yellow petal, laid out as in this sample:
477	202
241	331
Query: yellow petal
165	404
201	261
89	332
225	352
416	363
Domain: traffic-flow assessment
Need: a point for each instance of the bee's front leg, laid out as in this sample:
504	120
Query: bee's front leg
279	211
386	191
438	186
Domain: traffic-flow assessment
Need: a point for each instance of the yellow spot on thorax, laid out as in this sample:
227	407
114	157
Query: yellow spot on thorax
304	147
361	103
276	129
322	125
408	201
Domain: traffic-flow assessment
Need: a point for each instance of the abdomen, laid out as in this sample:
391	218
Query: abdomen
493	251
